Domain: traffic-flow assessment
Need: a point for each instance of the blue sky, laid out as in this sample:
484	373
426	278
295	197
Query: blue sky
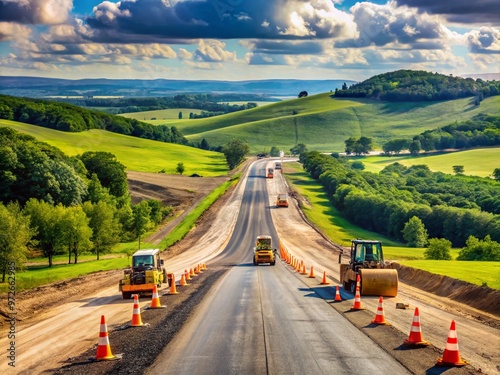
247	39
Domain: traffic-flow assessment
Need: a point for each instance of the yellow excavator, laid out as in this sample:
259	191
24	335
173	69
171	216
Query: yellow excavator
367	261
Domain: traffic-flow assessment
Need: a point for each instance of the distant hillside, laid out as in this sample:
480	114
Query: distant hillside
411	85
45	87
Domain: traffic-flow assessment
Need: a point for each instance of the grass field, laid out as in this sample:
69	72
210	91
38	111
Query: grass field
323	123
156	117
478	162
320	212
136	154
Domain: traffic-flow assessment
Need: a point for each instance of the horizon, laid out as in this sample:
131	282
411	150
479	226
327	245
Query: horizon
233	40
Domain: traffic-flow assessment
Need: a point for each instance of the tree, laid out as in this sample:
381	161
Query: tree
458	169
105	227
180	115
414	232
274	151
475	249
415	147
141	221
358	165
109	170
496	174
180	168
75	232
204	144
303	94
344	86
349	145
15	236
298	149
235	152
439	249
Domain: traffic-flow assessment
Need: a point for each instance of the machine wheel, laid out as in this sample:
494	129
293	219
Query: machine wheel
126	295
254	262
273	263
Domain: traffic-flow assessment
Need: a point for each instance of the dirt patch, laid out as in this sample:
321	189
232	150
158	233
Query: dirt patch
481	298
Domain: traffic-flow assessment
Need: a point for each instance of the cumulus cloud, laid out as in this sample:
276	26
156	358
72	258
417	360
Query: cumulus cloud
13	31
284	47
484	41
381	25
461	11
213	51
267	19
47	12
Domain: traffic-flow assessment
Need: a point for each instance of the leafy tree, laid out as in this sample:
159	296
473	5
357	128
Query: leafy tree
414	232
475	249
15	236
358	165
415	147
180	115
496	174
298	149
141	219
45	219
204	144
274	151
439	249
303	94
180	168
235	152
349	145
109	170
75	232
105	226
458	169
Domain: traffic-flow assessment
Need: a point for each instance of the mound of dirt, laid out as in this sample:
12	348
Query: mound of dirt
479	297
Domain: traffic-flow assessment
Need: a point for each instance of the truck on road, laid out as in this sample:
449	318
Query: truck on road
270	173
263	251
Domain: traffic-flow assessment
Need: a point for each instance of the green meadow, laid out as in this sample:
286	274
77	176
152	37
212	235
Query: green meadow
136	154
477	162
323	123
157	117
329	221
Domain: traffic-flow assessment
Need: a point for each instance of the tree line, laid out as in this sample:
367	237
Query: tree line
65	205
71	118
211	103
450	207
417	86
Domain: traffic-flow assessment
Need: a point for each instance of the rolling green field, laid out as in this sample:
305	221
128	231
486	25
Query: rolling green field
323	123
136	154
161	114
320	212
478	162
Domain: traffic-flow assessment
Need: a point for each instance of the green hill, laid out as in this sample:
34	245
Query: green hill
323	123
135	153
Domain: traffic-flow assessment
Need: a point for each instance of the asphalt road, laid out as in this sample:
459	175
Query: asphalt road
262	320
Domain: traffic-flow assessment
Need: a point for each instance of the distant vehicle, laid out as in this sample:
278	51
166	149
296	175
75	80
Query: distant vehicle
367	261
282	200
147	271
263	251
261	156
270	173
277	166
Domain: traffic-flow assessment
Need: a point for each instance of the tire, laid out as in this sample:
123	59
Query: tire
126	295
254	262
273	263
352	287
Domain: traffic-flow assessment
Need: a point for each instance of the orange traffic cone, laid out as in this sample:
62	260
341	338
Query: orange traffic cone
199	268
415	337
304	271
311	274
451	356
298	266
191	272
173	288
136	314
183	281
155	300
203	266
337	294
103	348
324	282
380	317
188	276
357	297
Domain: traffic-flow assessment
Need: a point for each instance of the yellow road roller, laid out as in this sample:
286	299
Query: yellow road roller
367	260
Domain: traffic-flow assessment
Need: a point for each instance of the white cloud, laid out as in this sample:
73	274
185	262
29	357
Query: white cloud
212	50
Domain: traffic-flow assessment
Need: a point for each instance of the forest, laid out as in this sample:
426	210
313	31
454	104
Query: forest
211	103
71	118
60	204
452	207
418	86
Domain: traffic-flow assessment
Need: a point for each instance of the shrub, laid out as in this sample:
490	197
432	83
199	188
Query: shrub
475	249
438	249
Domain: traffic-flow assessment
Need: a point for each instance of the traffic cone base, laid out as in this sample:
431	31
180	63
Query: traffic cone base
380	317
103	349
155	300
451	356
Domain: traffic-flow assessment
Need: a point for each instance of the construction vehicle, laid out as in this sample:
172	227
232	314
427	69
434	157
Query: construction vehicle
277	165
147	271
270	173
367	261
263	251
282	200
